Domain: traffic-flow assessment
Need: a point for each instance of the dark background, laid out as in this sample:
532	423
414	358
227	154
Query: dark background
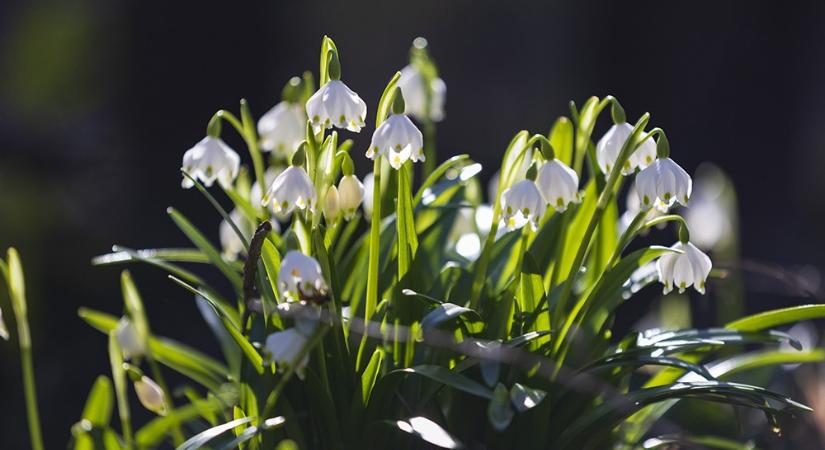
99	100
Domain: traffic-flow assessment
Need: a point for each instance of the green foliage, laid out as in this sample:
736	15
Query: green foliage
426	328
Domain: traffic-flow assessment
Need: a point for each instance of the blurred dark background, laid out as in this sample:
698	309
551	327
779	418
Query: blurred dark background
99	100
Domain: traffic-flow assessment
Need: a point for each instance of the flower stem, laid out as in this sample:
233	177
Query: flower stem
604	198
13	273
429	147
375	237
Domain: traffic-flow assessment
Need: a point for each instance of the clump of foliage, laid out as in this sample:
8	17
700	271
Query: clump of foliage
411	322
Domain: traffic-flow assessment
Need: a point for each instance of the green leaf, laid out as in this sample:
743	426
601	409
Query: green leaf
99	403
439	172
327	45
428	431
119	377
251	432
776	317
153	433
561	138
155	257
370	375
205	246
443	313
449	378
134	305
525	398
183	359
385	103
201	439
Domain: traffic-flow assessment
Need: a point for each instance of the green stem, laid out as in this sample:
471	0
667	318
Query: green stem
29	388
157	375
375	243
604	198
13	274
249	135
429	147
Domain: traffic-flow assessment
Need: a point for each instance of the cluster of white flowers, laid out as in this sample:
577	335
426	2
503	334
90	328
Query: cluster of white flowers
300	279
556	185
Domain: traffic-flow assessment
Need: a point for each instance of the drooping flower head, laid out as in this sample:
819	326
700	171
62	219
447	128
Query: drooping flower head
209	160
522	204
664	181
397	138
413	85
558	184
291	189
301	277
284	347
283	127
131	345
683	270
336	105
610	145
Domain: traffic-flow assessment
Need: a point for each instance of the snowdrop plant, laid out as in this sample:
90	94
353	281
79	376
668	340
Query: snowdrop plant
419	327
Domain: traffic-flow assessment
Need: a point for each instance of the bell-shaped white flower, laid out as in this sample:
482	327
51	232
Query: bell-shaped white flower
399	139
300	276
663	181
284	347
610	145
283	128
151	395
414	87
558	184
131	345
350	195
209	160
331	205
632	208
336	105
291	189
522	204
682	270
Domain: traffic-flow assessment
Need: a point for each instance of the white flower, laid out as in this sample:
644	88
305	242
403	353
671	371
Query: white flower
283	128
369	180
633	207
256	194
336	105
151	395
284	347
682	270
521	204
610	145
558	184
413	87
208	160
300	274
128	339
663	181
399	139
350	195
292	188
331	205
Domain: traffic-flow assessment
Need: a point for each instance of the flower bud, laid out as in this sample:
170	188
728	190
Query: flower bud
331	205
350	195
151	396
